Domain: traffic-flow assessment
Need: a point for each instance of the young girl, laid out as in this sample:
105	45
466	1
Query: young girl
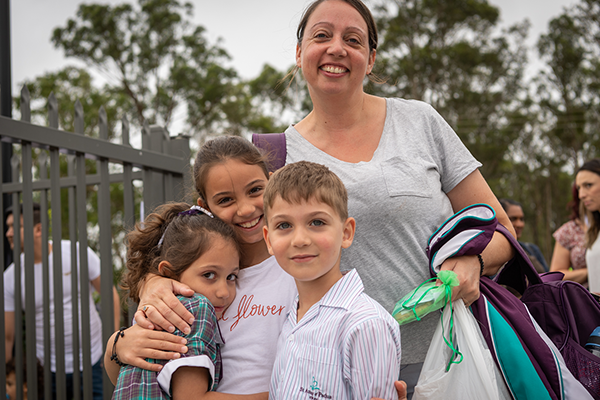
230	176
192	247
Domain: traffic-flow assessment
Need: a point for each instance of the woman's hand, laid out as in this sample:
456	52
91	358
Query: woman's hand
160	309
137	344
467	270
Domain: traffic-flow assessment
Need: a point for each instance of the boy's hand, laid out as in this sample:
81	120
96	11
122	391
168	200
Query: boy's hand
160	309
400	388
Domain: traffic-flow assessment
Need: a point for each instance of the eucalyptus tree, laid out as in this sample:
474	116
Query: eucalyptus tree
453	55
569	85
153	55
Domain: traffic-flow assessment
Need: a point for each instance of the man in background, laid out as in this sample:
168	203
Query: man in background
95	322
517	218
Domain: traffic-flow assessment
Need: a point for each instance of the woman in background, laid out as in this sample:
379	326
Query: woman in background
588	186
569	250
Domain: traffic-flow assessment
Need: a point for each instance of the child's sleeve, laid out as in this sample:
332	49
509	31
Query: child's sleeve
372	359
203	345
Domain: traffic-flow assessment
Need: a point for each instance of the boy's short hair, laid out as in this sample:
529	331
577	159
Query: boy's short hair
303	181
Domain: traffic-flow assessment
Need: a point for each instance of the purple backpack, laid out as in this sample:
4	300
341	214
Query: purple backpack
568	314
528	364
273	144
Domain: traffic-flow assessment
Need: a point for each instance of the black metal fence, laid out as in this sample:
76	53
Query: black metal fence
158	172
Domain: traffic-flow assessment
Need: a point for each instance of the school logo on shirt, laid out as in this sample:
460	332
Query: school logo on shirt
314	385
315	392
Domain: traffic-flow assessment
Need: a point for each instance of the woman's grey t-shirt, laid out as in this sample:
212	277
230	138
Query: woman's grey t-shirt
398	200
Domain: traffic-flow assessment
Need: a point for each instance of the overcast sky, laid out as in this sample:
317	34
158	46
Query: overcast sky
254	32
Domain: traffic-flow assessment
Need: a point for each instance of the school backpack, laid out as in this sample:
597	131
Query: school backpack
528	363
273	144
568	314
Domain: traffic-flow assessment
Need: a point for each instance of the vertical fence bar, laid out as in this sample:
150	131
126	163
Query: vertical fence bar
84	291
80	261
128	203
26	117
74	270
43	165
57	259
168	179
59	326
18	321
158	136
183	186
106	265
30	318
146	207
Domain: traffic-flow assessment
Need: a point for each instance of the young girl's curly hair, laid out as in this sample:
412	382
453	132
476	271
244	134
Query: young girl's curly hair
171	233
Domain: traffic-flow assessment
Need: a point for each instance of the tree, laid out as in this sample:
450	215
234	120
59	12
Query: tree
69	85
155	57
448	54
568	87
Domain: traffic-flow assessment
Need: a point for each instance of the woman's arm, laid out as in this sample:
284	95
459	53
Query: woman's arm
472	190
561	261
137	344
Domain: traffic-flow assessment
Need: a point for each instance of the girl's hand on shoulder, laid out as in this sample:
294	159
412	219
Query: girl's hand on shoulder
138	343
160	309
467	270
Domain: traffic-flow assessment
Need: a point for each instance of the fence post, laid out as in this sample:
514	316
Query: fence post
183	188
18	320
57	257
106	266
43	164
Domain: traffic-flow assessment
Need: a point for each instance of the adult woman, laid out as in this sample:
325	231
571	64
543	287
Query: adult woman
569	250
406	171
588	185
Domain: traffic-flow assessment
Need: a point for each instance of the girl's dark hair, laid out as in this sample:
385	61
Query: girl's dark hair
221	150
593	216
185	237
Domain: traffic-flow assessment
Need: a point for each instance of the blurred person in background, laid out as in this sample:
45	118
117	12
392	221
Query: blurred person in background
569	250
67	295
587	181
514	210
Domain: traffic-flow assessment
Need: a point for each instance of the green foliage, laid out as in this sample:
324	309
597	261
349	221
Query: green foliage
529	135
153	56
449	54
568	88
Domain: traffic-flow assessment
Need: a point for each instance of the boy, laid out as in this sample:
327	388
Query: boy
11	381
337	342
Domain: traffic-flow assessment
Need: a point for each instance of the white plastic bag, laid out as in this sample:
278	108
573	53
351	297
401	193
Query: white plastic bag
475	377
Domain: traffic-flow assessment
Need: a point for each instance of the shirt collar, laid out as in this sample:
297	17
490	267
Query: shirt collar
344	292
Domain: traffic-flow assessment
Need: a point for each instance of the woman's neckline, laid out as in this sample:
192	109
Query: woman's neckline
382	133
